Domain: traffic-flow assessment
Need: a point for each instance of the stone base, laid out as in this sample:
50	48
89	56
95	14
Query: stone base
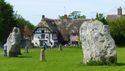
14	51
103	61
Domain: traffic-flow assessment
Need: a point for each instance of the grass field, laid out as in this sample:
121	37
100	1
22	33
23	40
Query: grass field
67	60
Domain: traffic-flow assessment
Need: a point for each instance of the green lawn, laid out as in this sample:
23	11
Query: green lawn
67	60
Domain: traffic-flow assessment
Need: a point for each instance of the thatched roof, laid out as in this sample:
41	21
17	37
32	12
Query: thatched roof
67	26
49	23
64	27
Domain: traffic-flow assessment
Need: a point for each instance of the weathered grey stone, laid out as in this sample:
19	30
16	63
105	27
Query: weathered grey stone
97	43
13	43
42	55
28	44
60	47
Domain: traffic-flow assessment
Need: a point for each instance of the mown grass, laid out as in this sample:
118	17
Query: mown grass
70	59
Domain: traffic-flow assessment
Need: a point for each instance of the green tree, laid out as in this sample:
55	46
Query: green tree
25	26
7	20
74	15
21	22
61	17
117	29
100	17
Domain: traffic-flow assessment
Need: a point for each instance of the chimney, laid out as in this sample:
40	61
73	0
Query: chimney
65	16
43	17
119	11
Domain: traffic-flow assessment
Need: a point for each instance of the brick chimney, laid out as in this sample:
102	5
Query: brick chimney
65	16
119	11
43	17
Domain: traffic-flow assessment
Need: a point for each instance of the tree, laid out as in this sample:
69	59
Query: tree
100	17
74	15
61	17
25	26
7	21
117	29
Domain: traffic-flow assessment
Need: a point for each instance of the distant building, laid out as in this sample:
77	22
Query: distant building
118	15
56	31
45	33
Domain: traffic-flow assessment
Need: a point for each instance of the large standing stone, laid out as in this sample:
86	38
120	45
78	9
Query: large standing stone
13	43
97	43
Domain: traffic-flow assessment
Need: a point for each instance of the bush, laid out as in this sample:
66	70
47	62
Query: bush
117	29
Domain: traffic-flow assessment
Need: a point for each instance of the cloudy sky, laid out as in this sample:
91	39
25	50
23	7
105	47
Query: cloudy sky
33	10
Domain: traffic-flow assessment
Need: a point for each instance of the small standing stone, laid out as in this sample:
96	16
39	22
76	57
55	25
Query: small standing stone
26	50
42	55
27	45
60	48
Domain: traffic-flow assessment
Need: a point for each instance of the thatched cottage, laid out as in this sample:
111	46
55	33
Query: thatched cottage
56	31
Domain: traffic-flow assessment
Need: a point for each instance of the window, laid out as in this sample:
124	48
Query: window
42	31
38	30
47	36
39	37
54	36
43	36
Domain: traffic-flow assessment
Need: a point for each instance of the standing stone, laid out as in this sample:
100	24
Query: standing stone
97	43
42	55
13	43
26	49
27	42
60	47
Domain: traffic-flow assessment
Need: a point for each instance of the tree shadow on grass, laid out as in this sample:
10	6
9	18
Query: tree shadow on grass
117	64
24	56
120	64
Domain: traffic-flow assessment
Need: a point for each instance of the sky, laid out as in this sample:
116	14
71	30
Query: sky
33	10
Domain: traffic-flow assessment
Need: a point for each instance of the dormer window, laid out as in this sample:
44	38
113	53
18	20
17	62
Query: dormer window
43	36
42	31
39	37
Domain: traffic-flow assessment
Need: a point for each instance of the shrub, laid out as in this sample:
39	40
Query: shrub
117	29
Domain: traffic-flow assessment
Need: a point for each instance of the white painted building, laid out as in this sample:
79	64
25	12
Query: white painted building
42	35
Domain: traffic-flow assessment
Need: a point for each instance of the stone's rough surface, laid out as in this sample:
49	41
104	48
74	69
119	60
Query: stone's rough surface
13	43
42	55
60	48
28	45
97	43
